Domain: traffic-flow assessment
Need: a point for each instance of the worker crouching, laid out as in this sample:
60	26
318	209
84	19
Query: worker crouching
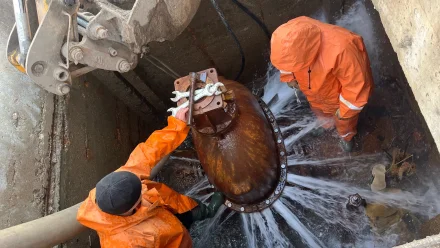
330	65
129	210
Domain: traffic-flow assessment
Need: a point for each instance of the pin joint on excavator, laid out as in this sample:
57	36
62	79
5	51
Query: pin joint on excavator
91	34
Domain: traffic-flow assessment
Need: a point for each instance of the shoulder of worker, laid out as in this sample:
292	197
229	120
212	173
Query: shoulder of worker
337	40
91	216
334	39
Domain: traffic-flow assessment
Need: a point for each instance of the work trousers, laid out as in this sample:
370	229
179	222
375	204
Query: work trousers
347	128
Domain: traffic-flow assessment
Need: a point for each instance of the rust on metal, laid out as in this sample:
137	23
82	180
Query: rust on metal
192	79
282	155
238	143
211	114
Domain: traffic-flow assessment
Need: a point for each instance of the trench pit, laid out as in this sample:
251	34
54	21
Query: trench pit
392	118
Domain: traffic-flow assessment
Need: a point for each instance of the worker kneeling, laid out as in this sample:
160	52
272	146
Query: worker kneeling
330	65
129	210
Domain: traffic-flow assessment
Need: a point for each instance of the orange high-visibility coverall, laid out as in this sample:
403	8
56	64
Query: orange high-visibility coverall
153	224
331	67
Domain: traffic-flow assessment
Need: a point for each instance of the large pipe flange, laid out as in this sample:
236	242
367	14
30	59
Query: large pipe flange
282	154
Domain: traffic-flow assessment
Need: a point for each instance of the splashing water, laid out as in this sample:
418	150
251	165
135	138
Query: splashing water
296	224
312	211
264	225
404	200
197	188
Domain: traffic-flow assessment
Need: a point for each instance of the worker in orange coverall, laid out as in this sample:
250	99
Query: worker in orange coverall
330	65
128	210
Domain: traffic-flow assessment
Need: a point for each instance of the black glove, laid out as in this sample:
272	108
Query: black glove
202	211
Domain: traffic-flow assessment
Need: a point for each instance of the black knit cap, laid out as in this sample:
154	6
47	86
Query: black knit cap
118	192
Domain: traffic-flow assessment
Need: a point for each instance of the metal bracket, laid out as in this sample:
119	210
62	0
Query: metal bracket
282	154
44	63
102	54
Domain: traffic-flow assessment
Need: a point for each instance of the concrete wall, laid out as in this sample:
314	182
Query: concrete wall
25	131
54	149
413	29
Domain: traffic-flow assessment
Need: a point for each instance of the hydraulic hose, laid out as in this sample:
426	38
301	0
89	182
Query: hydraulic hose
222	17
254	17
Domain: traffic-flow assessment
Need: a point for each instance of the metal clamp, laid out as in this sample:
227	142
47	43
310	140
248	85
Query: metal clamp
208	87
209	90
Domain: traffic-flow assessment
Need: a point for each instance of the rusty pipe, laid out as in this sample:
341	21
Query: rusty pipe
53	229
242	161
239	144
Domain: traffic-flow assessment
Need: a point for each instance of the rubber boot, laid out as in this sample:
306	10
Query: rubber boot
316	132
347	146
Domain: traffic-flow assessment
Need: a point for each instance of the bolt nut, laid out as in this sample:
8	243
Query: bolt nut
276	130
242	209
229	204
39	68
282	153
267	202
279	141
112	52
283	166
97	31
61	74
101	33
277	192
76	54
63	88
124	66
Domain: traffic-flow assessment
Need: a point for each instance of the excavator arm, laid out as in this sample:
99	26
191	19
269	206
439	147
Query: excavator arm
77	36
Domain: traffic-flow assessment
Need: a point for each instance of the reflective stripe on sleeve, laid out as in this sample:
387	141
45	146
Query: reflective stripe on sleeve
345	135
349	104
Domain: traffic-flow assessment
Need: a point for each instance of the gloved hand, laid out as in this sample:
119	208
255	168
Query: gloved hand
202	211
217	200
293	84
182	114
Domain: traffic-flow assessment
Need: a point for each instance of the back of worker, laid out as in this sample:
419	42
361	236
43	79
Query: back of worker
150	226
128	210
330	66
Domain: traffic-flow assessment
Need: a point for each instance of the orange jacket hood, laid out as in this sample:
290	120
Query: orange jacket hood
295	44
91	215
